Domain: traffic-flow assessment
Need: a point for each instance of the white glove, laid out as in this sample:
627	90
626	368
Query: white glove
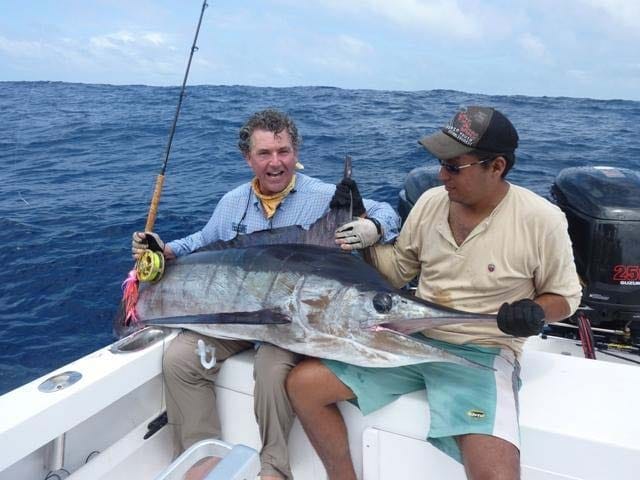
360	233
142	241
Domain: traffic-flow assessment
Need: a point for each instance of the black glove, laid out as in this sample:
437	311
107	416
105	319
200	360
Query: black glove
522	318
142	241
346	191
154	242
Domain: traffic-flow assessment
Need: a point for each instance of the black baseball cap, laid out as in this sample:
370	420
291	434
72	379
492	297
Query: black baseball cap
473	128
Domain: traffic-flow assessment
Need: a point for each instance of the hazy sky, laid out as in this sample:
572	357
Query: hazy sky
577	48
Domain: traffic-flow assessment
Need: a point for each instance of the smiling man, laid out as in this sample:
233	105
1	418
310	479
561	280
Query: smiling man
478	244
277	196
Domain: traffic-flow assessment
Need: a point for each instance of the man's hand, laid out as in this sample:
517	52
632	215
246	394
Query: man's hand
346	192
142	241
360	233
522	318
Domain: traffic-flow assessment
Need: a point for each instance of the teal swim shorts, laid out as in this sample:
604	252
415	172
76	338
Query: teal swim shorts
461	399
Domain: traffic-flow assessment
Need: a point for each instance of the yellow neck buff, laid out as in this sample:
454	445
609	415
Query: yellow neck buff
270	202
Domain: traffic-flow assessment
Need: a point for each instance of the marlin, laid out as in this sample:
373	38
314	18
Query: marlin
296	289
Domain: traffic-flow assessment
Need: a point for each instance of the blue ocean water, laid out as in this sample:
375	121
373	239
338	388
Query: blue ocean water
78	165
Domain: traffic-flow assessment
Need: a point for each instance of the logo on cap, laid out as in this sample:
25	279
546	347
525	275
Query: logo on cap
467	127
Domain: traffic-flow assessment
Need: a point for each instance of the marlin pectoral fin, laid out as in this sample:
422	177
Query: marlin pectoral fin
407	326
258	317
414	325
416	339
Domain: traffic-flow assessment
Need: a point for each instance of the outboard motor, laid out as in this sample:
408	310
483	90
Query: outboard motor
602	205
419	180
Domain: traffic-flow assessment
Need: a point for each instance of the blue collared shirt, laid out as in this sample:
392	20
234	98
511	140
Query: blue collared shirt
240	212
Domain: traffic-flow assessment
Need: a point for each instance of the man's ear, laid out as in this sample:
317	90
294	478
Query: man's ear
499	164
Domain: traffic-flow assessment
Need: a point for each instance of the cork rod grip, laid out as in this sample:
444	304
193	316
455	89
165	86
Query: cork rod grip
155	200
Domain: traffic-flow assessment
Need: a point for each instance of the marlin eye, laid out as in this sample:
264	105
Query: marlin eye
382	302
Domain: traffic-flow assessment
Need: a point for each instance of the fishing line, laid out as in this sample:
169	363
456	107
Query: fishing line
246	209
23	118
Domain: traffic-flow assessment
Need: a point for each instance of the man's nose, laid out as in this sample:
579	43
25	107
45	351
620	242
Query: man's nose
274	158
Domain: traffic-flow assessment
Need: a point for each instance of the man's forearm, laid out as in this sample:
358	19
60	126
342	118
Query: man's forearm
396	270
555	307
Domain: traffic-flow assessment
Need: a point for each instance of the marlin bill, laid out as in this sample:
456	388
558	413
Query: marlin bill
313	300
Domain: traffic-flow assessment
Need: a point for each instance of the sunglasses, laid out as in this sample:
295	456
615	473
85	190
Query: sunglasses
455	169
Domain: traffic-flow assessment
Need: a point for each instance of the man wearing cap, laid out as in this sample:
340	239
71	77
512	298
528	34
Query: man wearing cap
480	244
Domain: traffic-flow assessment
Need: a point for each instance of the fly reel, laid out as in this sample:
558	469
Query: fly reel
150	266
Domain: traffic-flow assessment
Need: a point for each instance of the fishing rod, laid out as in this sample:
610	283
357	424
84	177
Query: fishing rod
150	266
155	199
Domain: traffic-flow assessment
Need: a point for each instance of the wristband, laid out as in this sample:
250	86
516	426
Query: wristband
377	224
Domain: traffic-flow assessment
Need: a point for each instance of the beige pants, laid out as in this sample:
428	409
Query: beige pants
191	398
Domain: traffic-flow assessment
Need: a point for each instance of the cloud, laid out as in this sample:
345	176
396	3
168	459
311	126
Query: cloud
154	38
578	74
145	51
113	41
623	12
148	56
442	16
352	46
118	42
532	46
21	48
124	40
23	52
342	54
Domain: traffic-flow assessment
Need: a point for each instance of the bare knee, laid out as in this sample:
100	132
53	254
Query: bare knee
305	376
312	382
489	458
